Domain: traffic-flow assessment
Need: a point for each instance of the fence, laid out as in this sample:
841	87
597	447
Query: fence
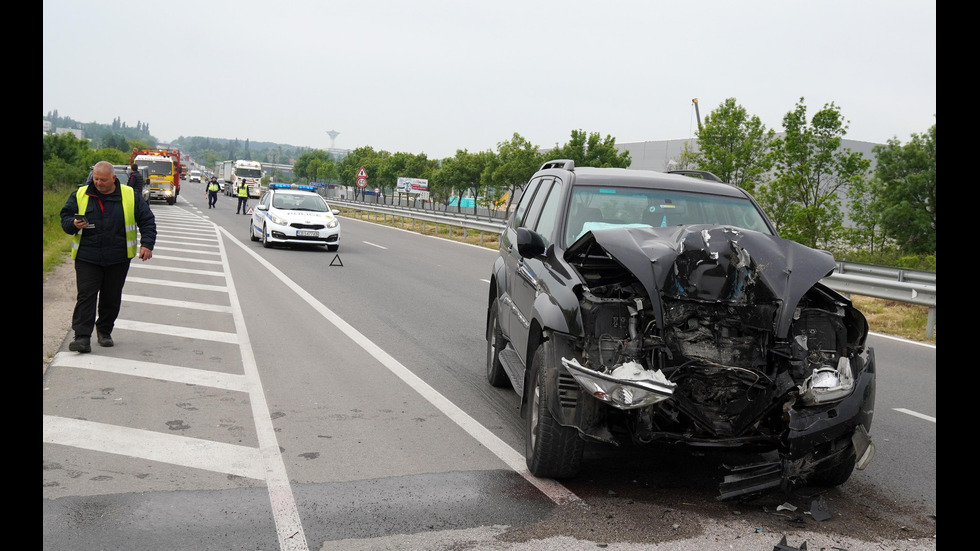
898	284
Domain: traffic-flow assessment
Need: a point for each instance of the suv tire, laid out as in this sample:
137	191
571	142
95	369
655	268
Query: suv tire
495	343
552	451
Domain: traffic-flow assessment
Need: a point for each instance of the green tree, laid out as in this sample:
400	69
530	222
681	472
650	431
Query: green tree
591	150
734	146
66	147
308	163
110	154
115	140
864	199
365	157
58	174
516	161
457	174
908	193
812	172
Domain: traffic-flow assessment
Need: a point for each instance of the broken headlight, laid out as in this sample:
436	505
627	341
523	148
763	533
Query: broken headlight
629	386
827	384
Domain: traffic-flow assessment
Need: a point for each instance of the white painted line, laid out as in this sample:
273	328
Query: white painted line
152	370
182	259
373	245
289	526
157	247
177	303
555	491
177	331
191	250
156	446
181	284
901	339
142	266
916	414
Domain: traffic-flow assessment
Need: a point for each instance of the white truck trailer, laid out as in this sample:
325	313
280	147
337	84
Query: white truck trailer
232	172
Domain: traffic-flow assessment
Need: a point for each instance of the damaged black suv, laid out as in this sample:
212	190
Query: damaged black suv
632	305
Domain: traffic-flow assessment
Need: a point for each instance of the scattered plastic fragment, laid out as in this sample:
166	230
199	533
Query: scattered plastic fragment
819	510
786	507
782	546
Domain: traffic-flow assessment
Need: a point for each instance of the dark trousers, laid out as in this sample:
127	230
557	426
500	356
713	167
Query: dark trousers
242	205
212	198
99	288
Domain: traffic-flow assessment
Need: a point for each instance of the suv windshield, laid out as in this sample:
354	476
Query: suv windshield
594	207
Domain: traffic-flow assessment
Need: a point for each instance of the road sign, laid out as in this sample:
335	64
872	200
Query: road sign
377	190
361	182
362	173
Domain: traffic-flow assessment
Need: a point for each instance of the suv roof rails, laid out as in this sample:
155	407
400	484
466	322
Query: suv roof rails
566	164
703	174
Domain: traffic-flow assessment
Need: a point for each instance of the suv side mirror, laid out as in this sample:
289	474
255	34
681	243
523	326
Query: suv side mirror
529	243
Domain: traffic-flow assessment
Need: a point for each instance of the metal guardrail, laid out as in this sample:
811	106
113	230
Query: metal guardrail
898	284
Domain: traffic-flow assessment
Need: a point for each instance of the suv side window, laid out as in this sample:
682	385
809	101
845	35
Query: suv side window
549	213
537	202
525	201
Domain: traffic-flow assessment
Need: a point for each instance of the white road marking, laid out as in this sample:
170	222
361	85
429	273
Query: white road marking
156	446
153	370
916	414
289	527
262	463
373	245
158	301
555	491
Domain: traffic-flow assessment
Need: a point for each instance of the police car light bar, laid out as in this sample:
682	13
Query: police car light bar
292	186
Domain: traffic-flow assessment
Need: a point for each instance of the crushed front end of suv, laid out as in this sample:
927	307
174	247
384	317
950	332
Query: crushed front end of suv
659	308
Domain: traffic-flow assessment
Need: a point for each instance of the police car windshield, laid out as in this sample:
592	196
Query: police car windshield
296	201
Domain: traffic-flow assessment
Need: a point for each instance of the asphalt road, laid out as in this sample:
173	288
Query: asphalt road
375	459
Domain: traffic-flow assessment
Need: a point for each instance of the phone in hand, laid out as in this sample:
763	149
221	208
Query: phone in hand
80	218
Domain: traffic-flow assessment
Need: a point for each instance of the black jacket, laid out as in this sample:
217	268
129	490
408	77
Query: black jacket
136	182
105	244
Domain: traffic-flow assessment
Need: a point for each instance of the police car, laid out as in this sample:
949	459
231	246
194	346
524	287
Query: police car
294	214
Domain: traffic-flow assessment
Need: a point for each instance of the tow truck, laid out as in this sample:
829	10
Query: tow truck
163	166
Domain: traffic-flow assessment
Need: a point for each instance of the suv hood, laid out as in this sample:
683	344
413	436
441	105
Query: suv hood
704	263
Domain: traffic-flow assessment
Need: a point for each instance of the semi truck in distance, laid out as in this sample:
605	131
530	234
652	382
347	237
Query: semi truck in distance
232	172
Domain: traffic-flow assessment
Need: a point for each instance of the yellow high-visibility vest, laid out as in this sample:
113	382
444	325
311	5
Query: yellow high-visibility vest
129	216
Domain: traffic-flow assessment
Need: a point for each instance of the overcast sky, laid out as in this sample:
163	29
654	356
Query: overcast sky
434	76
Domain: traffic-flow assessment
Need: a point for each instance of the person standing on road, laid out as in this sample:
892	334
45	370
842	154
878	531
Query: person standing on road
212	191
242	192
103	216
135	180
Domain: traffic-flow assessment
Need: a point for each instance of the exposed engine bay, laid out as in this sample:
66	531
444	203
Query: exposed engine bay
714	336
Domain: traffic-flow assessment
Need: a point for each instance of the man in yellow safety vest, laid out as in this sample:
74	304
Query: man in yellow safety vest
102	217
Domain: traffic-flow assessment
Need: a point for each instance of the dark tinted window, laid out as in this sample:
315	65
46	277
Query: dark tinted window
525	201
545	225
